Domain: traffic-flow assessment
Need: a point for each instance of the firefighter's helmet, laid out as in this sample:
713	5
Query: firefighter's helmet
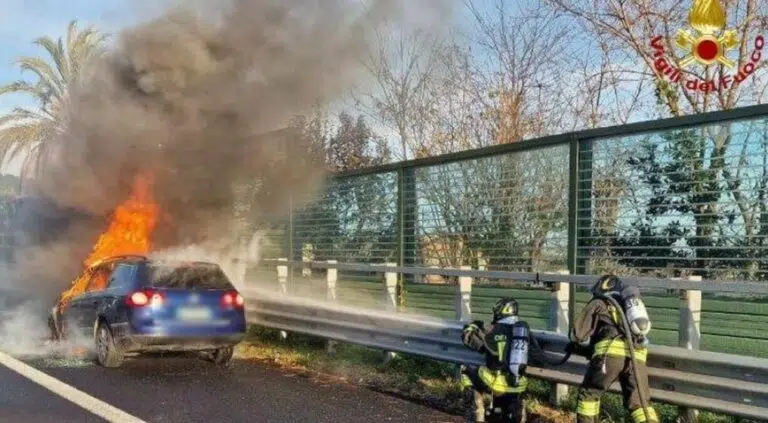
505	307
606	284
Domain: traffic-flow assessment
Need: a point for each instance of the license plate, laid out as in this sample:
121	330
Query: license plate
194	314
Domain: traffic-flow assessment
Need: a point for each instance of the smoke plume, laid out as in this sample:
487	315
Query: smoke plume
198	97
186	98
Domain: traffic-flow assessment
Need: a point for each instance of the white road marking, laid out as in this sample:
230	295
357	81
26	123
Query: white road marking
74	395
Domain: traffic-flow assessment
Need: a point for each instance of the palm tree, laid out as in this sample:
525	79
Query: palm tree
31	129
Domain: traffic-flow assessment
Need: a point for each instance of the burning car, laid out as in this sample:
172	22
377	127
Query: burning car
133	305
130	304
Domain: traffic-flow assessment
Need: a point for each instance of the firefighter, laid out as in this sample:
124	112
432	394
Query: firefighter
600	334
505	346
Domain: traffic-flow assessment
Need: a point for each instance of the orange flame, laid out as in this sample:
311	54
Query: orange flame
130	232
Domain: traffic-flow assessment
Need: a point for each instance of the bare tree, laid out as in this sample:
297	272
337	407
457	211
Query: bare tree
525	49
508	79
627	28
403	66
460	99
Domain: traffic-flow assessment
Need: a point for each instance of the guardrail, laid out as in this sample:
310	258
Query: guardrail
726	383
563	297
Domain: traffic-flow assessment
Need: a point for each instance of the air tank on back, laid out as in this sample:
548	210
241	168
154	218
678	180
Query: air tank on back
517	352
637	314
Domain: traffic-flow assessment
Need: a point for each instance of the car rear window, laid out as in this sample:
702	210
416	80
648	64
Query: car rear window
188	277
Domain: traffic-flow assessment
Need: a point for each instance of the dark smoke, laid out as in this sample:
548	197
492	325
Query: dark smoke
185	98
189	97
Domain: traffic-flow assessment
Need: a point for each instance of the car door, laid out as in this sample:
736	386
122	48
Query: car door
73	307
111	299
89	303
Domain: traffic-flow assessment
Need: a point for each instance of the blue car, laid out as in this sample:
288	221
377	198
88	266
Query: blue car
134	305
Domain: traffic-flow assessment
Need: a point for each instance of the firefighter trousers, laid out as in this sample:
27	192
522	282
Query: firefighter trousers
477	381
602	372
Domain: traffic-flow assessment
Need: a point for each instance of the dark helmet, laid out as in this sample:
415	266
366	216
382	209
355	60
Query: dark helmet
606	284
505	307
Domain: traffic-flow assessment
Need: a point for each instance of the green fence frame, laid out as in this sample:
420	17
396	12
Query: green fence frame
580	147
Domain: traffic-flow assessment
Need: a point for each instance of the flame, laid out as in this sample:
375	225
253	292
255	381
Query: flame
129	232
707	16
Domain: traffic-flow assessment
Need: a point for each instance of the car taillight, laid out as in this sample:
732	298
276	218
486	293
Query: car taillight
143	298
232	299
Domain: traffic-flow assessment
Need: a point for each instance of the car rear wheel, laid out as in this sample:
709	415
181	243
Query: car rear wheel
222	356
107	353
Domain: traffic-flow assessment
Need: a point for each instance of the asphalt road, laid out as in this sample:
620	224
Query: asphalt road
190	390
22	400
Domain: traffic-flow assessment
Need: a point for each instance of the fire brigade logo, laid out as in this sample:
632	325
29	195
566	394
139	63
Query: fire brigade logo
712	41
706	43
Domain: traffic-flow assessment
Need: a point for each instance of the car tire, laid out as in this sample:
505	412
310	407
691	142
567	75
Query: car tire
108	354
222	356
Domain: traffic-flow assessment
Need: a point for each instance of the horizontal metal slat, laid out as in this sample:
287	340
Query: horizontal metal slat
706	285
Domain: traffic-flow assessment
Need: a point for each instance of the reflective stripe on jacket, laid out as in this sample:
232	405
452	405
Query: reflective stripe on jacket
618	348
497	381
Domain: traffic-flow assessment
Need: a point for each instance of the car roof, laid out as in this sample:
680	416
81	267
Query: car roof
138	258
184	263
122	258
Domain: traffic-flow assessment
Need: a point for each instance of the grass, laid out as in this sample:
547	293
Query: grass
427	381
418	379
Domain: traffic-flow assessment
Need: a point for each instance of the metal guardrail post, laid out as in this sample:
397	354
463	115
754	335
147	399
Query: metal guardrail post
330	295
464	299
689	334
282	277
390	297
559	322
306	258
464	314
282	285
390	288
331	278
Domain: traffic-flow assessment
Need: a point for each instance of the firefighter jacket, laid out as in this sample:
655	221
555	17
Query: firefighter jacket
493	344
600	328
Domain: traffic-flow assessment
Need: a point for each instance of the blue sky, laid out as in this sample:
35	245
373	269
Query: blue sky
22	21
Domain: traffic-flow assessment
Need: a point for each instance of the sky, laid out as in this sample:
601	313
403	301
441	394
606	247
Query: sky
21	22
